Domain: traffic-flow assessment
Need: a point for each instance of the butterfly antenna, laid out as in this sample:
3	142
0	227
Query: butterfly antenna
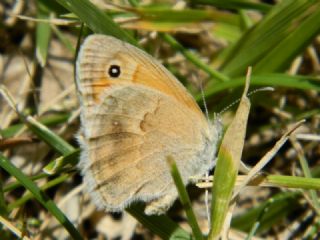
204	102
260	90
249	94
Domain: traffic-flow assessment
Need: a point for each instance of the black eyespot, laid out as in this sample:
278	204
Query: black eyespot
114	71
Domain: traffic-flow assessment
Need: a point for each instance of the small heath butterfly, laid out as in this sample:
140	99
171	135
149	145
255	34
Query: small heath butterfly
135	113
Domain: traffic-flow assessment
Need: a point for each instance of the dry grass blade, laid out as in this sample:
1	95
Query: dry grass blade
267	157
8	97
52	20
13	229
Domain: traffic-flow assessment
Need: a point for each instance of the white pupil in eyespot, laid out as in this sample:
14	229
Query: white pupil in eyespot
114	71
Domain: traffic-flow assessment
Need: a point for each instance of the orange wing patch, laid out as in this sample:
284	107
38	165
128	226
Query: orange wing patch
98	87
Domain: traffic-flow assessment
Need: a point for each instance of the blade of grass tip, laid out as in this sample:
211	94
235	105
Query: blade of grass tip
228	162
161	225
245	20
96	19
63	39
194	59
133	3
256	225
7	97
40	196
43	34
184	198
267	157
60	163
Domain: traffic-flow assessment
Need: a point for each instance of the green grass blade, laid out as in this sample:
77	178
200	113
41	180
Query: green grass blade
246	21
43	34
63	39
167	14
267	79
184	198
96	19
48	136
12	186
294	43
226	171
58	164
53	6
28	196
234	4
40	196
306	171
294	182
276	39
161	225
47	121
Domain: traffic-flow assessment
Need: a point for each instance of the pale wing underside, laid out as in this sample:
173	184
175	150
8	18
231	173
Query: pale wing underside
126	139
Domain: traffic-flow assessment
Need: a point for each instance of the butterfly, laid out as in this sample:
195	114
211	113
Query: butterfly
134	114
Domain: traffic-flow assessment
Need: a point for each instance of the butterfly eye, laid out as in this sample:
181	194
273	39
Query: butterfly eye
114	71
